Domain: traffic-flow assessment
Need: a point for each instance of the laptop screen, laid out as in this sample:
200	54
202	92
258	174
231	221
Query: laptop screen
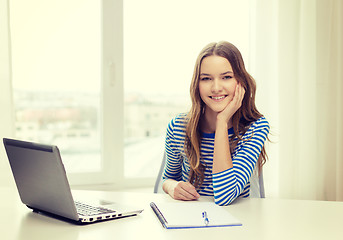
40	177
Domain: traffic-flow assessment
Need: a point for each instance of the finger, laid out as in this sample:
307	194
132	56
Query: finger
186	196
181	194
191	189
186	192
236	97
242	93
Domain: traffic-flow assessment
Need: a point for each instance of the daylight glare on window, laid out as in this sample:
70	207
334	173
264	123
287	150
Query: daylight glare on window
56	77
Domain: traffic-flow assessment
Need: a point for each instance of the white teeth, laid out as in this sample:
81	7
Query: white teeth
218	98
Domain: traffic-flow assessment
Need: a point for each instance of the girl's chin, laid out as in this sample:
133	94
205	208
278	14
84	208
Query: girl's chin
215	110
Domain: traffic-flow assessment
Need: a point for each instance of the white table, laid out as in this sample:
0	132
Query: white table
261	218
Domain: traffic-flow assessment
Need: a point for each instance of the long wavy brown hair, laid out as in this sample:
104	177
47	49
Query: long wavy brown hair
241	120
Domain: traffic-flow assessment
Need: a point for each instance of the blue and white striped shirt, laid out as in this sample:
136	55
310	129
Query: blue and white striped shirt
229	184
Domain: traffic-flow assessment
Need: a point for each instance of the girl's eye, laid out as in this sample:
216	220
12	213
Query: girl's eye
227	77
205	79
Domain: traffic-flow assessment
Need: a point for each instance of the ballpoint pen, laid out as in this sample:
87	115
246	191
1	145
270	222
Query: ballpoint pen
204	215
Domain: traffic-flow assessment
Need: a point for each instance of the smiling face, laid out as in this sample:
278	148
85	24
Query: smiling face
217	83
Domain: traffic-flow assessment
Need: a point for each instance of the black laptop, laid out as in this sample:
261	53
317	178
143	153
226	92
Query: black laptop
43	185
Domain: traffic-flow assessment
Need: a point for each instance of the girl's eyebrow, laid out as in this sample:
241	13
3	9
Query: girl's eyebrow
226	73
206	74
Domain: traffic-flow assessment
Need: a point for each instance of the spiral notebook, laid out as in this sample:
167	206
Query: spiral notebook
176	215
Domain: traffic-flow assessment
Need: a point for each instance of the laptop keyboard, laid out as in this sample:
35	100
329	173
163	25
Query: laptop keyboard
88	210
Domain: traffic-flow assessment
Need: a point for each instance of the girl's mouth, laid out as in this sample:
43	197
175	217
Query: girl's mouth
217	98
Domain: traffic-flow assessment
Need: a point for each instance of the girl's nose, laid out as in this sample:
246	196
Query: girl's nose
216	86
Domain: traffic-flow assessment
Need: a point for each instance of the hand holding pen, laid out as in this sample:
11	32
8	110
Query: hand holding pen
180	190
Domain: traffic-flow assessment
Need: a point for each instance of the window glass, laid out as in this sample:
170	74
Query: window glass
56	59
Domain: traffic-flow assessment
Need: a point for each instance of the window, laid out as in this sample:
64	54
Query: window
57	56
102	79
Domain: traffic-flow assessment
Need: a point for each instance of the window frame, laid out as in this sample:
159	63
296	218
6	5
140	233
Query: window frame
111	104
112	108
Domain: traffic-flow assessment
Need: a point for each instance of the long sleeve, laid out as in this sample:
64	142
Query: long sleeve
229	184
224	186
174	147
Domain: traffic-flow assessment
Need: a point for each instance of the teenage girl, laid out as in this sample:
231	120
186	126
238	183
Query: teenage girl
214	148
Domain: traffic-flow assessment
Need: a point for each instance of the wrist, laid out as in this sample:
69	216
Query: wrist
221	123
168	186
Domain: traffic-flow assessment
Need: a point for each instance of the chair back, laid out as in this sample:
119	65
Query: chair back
257	185
159	182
